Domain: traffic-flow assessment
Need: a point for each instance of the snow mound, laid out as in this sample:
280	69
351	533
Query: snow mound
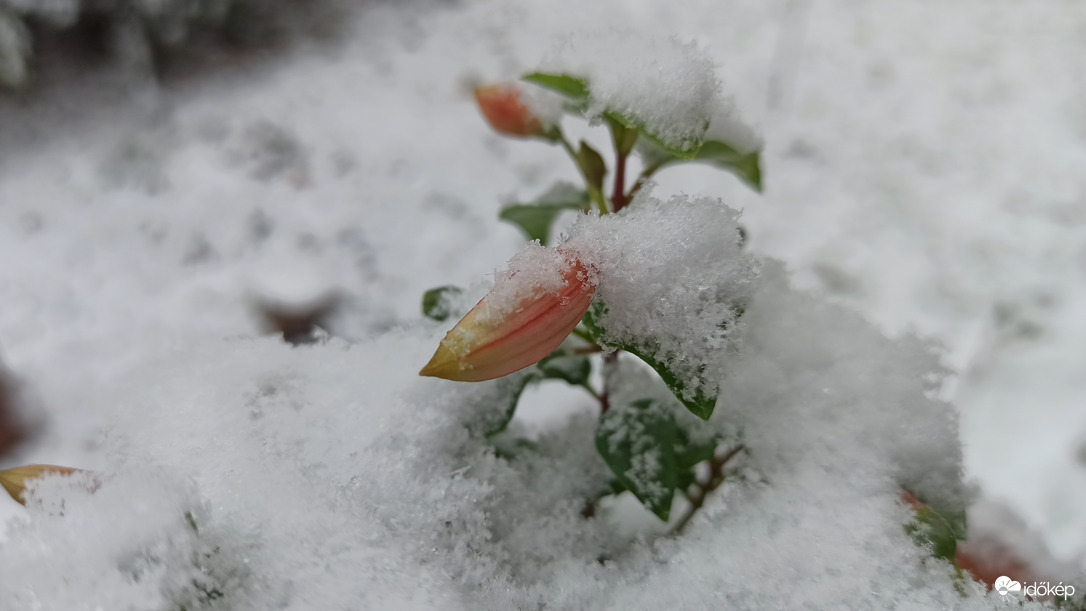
672	273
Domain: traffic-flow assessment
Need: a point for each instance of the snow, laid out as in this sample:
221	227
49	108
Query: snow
672	271
921	168
533	272
667	85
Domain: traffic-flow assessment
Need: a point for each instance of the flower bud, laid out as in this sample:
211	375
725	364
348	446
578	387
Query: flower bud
523	319
505	111
14	480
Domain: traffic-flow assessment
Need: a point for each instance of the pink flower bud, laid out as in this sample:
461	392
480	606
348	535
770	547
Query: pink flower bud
506	113
501	335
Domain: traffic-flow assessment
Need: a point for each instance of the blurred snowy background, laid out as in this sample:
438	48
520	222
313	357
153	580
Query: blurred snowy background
171	179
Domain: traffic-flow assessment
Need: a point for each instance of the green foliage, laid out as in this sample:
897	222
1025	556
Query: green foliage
436	302
937	531
513	397
573	369
690	452
593	168
698	402
536	219
723	155
650	453
569	86
747	166
638	443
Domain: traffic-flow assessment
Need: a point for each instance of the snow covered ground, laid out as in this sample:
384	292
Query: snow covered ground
923	166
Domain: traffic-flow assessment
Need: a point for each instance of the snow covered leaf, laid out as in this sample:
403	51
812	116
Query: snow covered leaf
631	122
696	400
436	302
530	311
535	219
15	480
722	140
638	443
935	530
691	451
577	91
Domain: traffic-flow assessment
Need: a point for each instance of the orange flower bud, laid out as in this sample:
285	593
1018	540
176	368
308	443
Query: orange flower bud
14	480
506	113
496	339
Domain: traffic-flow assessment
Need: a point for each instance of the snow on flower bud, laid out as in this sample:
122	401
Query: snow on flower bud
532	308
506	112
14	480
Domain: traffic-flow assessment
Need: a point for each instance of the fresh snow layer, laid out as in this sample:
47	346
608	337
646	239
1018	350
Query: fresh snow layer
331	476
668	86
922	164
674	272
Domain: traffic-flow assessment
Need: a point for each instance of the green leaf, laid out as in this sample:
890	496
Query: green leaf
747	166
576	90
638	444
689	453
515	390
721	155
681	153
592	165
536	218
436	302
938	531
574	369
569	86
699	402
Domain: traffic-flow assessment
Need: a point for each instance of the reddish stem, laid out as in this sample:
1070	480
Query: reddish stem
703	488
618	193
610	361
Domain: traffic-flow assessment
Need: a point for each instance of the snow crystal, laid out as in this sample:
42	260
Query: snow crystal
536	270
674	280
667	85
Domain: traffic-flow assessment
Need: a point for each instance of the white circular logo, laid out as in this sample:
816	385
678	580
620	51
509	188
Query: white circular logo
1005	585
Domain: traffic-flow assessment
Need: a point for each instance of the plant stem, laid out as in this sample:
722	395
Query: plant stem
624	139
610	363
618	192
697	498
644	177
591	391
